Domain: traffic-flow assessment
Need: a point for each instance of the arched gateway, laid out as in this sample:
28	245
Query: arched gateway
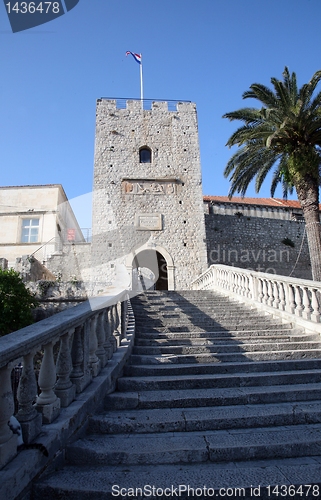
151	268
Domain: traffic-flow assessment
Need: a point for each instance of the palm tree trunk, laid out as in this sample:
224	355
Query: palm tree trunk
308	194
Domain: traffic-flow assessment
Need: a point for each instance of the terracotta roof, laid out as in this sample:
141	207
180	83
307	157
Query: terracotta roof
267	202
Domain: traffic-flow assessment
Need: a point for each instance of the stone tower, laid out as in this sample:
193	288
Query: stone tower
147	200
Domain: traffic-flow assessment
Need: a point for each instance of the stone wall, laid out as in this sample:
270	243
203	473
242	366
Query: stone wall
73	263
258	244
31	269
56	296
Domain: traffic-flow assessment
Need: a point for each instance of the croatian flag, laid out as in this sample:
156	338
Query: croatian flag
137	57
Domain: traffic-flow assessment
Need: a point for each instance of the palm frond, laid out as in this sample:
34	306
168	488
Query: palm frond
247	115
284	133
262	93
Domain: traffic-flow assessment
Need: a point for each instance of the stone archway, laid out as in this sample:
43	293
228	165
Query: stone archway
153	267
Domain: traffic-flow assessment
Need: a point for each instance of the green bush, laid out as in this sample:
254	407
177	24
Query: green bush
16	302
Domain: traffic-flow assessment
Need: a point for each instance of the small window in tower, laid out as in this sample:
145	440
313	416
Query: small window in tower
145	155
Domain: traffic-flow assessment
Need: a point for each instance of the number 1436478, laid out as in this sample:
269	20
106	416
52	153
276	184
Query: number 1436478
33	7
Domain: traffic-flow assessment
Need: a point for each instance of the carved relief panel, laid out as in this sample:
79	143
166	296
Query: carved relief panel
151	186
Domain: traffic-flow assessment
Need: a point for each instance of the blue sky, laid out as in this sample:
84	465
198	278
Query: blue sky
206	51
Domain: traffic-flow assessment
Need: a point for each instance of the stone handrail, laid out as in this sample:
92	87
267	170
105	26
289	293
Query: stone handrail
285	296
71	348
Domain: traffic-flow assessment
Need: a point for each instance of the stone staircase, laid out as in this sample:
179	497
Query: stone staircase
217	400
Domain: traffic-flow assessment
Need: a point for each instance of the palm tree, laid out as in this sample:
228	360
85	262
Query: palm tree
283	135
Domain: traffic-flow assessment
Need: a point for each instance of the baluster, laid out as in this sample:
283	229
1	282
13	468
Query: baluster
79	376
77	354
8	440
315	316
238	284
298	301
246	286
222	279
307	309
119	320
226	280
276	294
101	337
248	289
215	276
282	304
241	284
47	402
116	331
93	344
265	292
235	280
123	318
253	288
290	305
220	276
64	388
109	343
247	292
270	293
260	290
30	420
113	341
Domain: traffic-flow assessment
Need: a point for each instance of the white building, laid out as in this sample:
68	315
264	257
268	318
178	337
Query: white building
35	220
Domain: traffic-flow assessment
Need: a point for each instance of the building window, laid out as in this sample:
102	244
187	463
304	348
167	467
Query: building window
30	231
145	155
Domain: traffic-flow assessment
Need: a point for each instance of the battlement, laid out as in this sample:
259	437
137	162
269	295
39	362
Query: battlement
132	104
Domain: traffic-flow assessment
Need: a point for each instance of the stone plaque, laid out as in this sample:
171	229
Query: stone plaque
155	187
148	222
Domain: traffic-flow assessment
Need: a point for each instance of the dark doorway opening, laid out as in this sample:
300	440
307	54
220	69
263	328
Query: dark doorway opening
151	270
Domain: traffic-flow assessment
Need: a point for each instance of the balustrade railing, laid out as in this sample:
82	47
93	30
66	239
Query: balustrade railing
60	356
293	296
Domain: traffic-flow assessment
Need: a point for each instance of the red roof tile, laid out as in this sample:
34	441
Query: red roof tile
267	202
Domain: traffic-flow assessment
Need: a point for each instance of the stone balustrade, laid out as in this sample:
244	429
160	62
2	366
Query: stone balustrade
60	356
287	297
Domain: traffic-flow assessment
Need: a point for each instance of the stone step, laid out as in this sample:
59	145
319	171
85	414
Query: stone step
227	347
203	418
218	380
188	398
206	304
238	480
202	327
283	330
187	314
166	369
203	317
226	358
224	339
196	447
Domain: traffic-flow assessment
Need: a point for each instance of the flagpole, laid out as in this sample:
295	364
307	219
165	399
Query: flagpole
141	83
138	59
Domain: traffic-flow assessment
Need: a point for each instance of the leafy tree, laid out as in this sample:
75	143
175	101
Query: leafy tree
16	302
284	134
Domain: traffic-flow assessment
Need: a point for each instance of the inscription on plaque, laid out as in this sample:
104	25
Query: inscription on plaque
148	222
149	187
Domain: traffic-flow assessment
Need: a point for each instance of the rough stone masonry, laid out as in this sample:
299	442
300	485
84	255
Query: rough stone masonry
147	195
